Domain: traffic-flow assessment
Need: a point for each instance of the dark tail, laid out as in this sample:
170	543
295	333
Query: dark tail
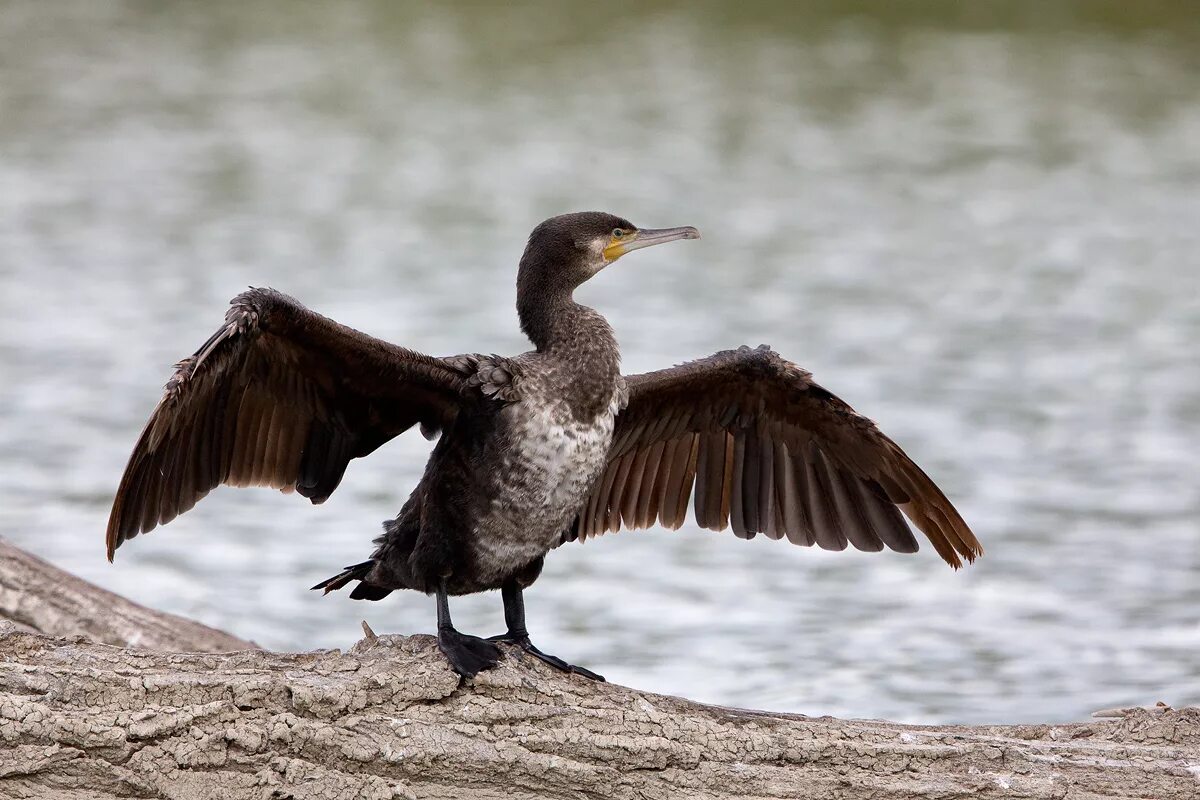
355	572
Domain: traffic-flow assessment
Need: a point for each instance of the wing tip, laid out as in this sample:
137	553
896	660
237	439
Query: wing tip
116	536
971	553
959	550
113	540
963	540
112	536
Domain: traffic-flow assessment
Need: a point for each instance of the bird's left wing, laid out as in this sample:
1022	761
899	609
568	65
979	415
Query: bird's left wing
279	396
768	451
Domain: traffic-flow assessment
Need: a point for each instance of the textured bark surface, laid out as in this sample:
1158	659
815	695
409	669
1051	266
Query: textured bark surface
388	719
37	596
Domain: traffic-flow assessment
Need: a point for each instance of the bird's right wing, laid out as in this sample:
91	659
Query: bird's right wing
768	451
279	396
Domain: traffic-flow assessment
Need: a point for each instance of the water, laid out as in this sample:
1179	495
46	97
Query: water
978	225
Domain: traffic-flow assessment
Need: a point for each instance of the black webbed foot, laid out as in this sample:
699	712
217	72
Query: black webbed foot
522	640
468	655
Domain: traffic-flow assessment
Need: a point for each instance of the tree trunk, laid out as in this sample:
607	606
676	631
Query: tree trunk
388	719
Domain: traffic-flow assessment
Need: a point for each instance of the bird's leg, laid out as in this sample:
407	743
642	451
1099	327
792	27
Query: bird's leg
514	617
468	655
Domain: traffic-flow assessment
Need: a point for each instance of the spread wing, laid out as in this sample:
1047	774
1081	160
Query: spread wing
768	451
279	396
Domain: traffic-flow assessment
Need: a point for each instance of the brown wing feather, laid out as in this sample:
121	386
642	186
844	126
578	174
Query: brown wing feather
279	396
770	452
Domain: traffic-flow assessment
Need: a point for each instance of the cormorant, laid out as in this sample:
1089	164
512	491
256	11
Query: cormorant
550	446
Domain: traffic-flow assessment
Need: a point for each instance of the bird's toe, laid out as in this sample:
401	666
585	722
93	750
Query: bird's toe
468	655
554	661
587	673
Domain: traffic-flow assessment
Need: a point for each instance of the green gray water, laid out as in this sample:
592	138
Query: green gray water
979	223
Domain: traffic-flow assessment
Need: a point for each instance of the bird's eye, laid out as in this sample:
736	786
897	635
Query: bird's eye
620	233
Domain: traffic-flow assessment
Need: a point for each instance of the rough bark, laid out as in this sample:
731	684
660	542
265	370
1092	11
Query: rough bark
37	596
389	719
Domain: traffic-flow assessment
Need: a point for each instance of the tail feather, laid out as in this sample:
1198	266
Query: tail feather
369	591
355	572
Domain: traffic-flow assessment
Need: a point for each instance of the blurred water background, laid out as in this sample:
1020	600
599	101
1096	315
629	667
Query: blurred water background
977	222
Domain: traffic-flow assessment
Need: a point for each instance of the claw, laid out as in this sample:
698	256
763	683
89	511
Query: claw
522	641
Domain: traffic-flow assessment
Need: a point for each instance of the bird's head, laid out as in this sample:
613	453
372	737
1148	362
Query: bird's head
566	250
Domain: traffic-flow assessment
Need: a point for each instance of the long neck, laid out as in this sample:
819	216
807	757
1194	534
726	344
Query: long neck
546	313
555	323
576	338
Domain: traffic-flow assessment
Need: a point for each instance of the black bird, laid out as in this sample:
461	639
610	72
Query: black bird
549	446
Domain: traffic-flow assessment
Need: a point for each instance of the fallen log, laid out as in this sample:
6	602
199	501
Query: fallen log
37	596
389	719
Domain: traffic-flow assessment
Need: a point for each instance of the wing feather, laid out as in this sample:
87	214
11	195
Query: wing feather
686	482
820	497
704	479
279	396
736	489
648	505
633	487
663	505
758	446
679	485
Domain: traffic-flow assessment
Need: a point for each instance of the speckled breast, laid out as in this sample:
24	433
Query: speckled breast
549	463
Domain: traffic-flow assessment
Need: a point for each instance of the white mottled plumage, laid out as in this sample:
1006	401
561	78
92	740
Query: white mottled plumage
545	475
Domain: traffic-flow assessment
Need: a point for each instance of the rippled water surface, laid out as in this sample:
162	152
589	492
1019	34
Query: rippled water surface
980	230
